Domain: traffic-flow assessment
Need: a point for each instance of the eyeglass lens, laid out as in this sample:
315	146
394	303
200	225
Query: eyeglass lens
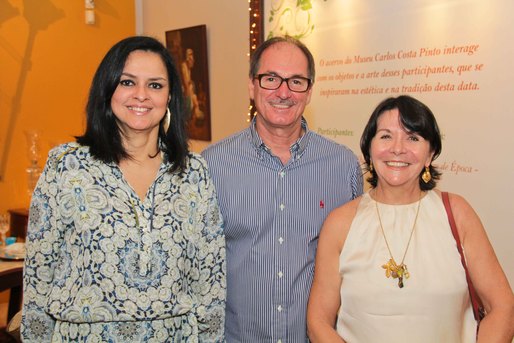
295	84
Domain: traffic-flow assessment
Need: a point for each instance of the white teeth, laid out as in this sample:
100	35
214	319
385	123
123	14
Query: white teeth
280	106
139	109
397	164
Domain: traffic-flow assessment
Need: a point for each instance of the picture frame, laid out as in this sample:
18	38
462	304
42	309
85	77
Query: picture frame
188	46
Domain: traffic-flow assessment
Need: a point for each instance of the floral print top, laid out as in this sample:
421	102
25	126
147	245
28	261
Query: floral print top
104	265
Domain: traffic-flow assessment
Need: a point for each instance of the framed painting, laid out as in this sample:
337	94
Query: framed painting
188	46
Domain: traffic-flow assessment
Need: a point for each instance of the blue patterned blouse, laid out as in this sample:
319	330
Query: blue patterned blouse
103	265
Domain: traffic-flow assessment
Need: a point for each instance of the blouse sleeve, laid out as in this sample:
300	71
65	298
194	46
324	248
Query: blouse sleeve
42	247
210	285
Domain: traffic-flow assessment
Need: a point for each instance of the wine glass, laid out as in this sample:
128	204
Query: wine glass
33	171
4	227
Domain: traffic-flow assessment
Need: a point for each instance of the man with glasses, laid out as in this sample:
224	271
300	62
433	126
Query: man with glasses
276	182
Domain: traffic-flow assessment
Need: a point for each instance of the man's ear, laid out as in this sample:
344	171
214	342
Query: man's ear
251	88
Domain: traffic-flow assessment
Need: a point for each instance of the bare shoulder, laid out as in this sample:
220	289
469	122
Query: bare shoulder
466	219
344	212
338	222
460	206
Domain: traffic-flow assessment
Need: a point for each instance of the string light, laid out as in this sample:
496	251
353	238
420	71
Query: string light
255	9
256	37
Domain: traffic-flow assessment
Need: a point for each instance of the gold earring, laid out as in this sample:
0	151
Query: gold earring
167	118
370	166
426	175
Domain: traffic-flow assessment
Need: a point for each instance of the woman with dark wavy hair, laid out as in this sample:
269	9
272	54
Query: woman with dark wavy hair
125	239
387	265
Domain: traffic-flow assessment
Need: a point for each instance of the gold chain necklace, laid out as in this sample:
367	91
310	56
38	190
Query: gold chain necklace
397	271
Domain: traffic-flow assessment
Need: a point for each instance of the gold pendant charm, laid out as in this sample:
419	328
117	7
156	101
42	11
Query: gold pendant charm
390	268
405	271
396	271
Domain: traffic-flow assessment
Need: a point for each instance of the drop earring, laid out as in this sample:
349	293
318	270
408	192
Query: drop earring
370	166
426	176
167	118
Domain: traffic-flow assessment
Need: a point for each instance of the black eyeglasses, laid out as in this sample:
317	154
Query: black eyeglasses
296	84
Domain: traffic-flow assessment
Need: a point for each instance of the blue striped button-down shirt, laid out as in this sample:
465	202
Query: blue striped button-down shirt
273	214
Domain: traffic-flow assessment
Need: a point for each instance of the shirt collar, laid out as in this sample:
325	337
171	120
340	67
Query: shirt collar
297	148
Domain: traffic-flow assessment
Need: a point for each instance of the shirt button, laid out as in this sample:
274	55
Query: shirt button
279	341
282	174
280	274
282	206
281	240
279	308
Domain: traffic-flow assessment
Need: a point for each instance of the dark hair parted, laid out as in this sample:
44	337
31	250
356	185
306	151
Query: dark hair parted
257	54
102	135
415	117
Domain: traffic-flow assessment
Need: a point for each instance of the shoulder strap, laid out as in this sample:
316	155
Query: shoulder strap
475	300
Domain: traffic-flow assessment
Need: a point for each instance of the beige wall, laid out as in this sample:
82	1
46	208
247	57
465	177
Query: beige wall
47	58
227	45
227	35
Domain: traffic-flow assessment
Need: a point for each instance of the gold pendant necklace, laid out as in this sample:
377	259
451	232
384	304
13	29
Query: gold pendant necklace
397	271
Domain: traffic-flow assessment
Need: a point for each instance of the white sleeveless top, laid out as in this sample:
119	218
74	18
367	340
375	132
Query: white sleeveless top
433	306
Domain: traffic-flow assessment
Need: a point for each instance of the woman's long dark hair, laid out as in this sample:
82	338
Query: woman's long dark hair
103	136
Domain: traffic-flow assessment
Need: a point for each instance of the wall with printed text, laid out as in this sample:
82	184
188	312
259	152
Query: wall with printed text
455	56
